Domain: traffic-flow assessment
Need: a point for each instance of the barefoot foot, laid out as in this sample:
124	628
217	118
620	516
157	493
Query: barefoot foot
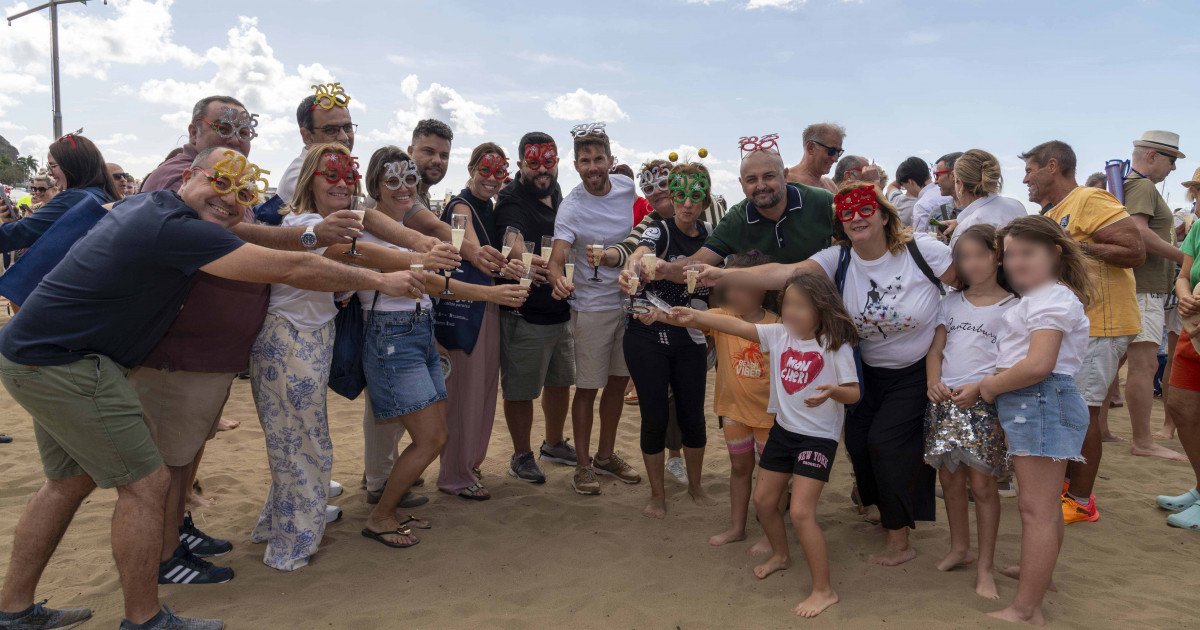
228	425
1157	450
726	537
1010	614
1014	572
701	497
656	508
1112	437
985	585
776	563
760	548
1165	433
892	556
956	559
815	604
195	501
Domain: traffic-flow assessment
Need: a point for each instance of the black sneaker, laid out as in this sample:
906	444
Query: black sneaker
524	468
561	453
41	618
167	620
185	568
199	543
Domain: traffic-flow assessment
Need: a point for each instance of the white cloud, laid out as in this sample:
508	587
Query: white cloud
582	105
789	5
437	101
399	60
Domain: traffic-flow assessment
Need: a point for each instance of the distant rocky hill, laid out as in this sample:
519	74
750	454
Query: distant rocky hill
6	148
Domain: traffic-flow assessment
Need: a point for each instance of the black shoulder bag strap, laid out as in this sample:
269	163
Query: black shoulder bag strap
924	266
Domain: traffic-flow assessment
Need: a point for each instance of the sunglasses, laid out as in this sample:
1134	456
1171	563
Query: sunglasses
38	189
121	176
1170	157
830	151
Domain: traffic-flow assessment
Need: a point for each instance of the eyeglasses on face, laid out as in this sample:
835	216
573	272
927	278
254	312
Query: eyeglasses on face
38	189
1169	157
846	215
832	152
121	176
332	130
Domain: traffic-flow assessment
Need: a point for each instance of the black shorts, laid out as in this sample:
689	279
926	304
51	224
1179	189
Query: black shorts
797	454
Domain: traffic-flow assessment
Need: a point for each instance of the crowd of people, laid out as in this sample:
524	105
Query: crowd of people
929	324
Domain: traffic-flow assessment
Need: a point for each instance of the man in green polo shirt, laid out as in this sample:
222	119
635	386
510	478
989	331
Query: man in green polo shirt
788	222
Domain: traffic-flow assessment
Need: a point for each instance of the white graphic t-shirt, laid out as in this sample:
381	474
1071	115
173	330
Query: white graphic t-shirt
893	304
798	366
971	335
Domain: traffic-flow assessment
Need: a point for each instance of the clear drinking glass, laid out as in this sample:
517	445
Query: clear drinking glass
358	205
569	272
597	258
512	236
458	231
446	291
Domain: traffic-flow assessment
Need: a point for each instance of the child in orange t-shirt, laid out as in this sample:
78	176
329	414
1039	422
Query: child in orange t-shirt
742	394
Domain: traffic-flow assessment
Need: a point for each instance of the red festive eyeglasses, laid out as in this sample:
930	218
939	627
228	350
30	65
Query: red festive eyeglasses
940	173
492	165
860	201
750	144
539	156
340	167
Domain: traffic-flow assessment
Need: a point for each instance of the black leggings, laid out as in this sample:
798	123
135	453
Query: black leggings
654	367
885	438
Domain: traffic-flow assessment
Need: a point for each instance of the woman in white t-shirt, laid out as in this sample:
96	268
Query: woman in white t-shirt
812	377
963	437
1041	347
977	184
890	284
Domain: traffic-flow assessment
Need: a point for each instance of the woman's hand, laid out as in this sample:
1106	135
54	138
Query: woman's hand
648	318
489	259
624	281
938	392
826	390
441	257
409	284
683	315
339	227
965	396
508	294
427	243
985	389
1188	305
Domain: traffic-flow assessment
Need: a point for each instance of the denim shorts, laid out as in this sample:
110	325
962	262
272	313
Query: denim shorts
404	374
1046	419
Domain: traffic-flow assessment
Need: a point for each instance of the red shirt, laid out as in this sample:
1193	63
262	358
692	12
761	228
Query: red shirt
641	208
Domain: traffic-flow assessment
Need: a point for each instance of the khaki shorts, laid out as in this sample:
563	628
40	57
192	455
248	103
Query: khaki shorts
1100	367
182	409
599	349
86	418
1153	318
1174	320
533	356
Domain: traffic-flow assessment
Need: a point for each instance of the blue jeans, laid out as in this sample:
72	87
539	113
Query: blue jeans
404	373
1046	419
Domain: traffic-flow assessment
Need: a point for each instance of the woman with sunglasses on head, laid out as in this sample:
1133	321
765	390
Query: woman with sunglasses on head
470	333
79	168
661	356
405	388
890	281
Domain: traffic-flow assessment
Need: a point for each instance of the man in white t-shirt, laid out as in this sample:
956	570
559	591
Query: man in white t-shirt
593	216
937	200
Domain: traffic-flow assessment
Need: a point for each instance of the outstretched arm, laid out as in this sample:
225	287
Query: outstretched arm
251	263
683	316
768	277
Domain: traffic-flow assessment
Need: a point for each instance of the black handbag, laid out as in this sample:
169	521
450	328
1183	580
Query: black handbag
346	374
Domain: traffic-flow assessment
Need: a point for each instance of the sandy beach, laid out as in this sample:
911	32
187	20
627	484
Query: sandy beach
543	557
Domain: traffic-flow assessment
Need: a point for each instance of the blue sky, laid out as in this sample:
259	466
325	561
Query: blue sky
905	78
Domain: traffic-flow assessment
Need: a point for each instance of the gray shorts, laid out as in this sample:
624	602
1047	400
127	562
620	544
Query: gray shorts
533	356
1100	367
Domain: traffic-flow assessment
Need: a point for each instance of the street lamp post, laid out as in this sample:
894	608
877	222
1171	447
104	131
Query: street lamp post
54	90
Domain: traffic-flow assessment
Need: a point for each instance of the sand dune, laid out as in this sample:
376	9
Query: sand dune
543	557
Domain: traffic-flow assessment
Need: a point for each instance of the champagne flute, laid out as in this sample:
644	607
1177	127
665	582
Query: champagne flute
417	268
458	231
547	248
597	258
527	254
633	280
692	270
358	205
512	236
446	273
569	272
526	280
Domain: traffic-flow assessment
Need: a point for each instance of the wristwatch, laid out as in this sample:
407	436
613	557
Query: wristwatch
309	238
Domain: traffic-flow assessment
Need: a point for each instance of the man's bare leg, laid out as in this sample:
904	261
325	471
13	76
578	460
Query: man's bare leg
137	527
1139	396
1106	434
518	415
581	423
555	402
177	492
194	500
1083	474
611	406
39	531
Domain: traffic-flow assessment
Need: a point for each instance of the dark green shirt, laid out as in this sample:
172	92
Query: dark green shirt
805	228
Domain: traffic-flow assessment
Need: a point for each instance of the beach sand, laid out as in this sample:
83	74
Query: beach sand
544	557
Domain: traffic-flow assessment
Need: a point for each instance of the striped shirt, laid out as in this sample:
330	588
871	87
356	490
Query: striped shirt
712	214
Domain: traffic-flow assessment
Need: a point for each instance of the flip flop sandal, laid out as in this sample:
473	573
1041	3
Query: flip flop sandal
1187	519
4	439
414	520
478	472
631	398
1179	503
400	531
